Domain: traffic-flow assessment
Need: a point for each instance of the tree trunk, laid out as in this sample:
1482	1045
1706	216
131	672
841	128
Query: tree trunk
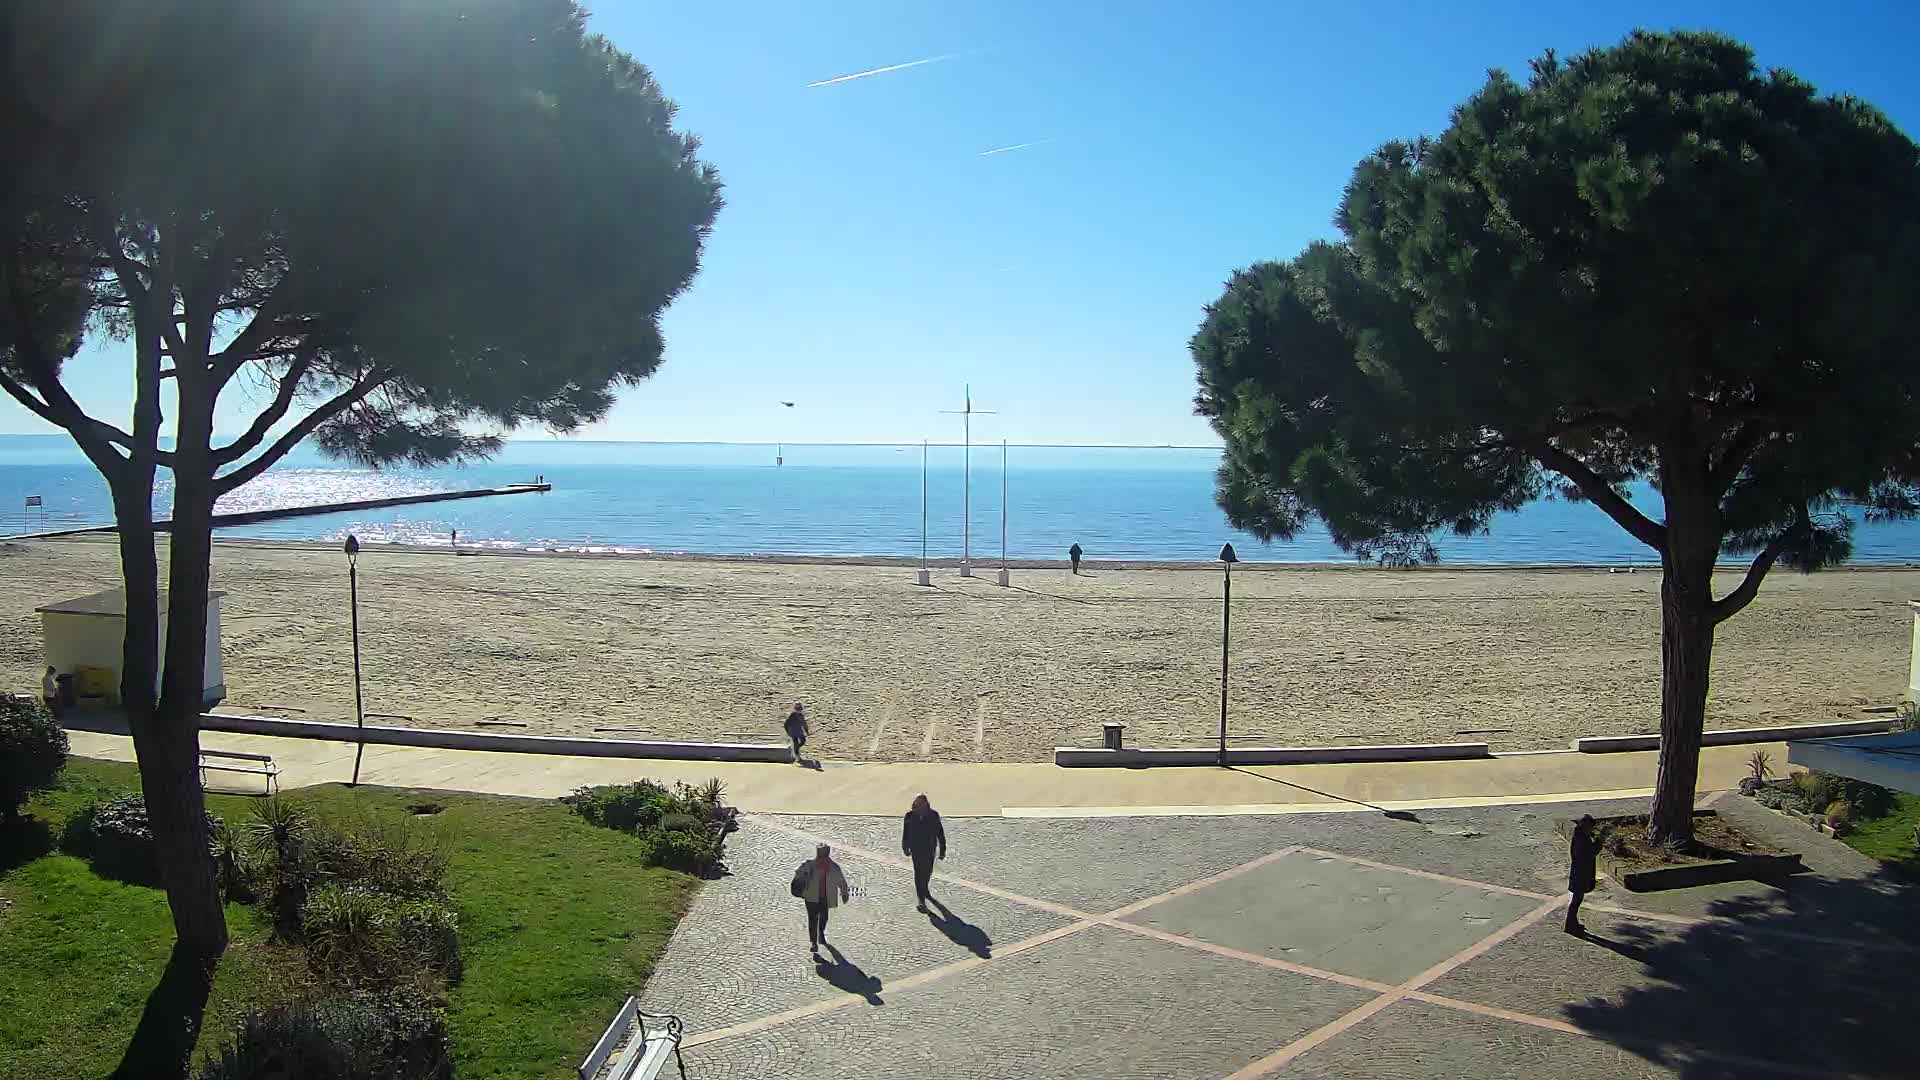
1686	654
175	802
1693	534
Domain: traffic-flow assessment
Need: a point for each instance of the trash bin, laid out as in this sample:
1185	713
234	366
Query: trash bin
68	697
1112	731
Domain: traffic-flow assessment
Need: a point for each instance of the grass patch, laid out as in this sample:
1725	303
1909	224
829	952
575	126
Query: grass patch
1889	837
559	921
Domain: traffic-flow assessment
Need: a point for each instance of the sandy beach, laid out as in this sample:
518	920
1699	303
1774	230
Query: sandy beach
968	671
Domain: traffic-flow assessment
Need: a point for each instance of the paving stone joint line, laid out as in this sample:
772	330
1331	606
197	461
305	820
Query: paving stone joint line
1388	994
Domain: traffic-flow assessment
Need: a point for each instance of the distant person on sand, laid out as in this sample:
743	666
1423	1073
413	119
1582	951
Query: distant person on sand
797	729
821	884
1581	870
921	834
1073	555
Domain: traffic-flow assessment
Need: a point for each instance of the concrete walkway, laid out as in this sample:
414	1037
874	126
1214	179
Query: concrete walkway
1310	945
987	790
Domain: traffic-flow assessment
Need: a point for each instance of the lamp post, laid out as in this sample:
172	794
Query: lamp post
353	602
1227	559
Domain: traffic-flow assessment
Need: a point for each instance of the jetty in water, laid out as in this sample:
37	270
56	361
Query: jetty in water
252	517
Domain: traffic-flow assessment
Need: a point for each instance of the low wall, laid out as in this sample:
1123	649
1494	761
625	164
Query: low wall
498	743
1081	757
1607	744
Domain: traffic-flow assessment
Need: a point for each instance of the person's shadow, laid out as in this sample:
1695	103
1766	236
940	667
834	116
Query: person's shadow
959	931
847	976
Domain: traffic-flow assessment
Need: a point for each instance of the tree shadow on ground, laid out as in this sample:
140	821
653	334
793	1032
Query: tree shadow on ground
847	976
22	840
162	1045
960	931
1782	987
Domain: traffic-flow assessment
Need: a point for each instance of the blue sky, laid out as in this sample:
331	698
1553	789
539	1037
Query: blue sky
871	259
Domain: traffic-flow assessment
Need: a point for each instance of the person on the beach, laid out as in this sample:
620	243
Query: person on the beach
921	834
1073	555
797	729
50	690
1581	870
822	885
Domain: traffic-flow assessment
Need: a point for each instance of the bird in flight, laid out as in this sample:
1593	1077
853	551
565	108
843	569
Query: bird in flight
788	404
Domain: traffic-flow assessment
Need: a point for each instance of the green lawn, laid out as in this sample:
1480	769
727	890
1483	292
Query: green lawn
559	921
1890	838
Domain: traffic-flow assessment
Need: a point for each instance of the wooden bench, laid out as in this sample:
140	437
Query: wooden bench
655	1037
240	762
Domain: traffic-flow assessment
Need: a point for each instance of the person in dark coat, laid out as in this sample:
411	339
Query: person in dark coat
1073	555
1582	870
797	729
921	834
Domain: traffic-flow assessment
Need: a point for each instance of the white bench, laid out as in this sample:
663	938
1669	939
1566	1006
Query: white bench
239	762
655	1038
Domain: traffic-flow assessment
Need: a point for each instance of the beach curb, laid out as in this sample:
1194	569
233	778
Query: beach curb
483	740
1098	757
1608	744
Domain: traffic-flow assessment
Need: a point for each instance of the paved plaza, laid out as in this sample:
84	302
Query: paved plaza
1306	945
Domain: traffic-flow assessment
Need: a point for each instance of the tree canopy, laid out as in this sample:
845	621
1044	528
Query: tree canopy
422	221
1646	259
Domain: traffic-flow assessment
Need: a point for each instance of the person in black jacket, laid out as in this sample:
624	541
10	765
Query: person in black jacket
1582	871
921	834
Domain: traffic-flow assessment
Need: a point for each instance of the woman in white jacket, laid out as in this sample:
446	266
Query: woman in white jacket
824	889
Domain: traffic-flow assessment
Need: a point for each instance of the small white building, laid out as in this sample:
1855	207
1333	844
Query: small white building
88	632
1913	668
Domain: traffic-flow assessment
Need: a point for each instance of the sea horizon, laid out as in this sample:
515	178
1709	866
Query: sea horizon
1148	504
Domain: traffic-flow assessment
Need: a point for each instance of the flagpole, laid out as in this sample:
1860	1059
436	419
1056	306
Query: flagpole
925	576
1005	577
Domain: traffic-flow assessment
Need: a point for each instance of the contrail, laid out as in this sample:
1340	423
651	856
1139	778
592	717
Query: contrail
1015	146
883	70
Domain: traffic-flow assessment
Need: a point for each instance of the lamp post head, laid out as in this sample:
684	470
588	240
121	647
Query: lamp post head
1227	555
353	545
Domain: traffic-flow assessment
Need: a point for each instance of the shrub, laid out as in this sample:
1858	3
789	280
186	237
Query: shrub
1908	717
635	808
234	862
33	750
117	839
687	852
356	936
1760	766
394	1034
682	823
1815	791
1840	816
1867	800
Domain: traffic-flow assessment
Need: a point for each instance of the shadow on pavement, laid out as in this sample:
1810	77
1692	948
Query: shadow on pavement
960	931
1396	815
1752	992
848	976
163	1042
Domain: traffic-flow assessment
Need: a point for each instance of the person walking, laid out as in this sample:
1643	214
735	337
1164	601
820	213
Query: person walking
50	690
1581	870
1073	556
921	834
797	730
821	884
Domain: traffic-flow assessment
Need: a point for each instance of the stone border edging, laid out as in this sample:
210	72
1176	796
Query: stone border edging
499	743
1076	756
1607	744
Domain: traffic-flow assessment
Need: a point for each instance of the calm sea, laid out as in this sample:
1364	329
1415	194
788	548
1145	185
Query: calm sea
823	500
